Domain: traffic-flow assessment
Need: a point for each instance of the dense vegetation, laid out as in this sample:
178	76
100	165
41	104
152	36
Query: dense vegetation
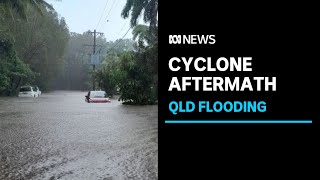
36	47
135	73
77	70
32	45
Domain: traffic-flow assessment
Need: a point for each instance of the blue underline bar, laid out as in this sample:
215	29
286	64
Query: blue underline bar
238	121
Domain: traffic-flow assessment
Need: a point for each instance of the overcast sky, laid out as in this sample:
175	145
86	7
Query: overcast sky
83	15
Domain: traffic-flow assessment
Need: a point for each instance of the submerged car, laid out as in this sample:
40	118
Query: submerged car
97	97
27	91
37	90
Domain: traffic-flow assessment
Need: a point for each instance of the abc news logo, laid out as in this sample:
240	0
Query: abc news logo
192	39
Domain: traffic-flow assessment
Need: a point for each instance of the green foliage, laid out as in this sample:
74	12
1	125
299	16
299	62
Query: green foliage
136	7
77	70
133	74
20	6
38	43
145	35
135	80
75	67
13	71
108	76
143	70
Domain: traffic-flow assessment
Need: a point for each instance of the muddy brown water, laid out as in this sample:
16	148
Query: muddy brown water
59	136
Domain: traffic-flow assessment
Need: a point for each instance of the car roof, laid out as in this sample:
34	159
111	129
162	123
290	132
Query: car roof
97	91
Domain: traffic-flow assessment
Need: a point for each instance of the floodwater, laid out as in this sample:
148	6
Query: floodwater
59	136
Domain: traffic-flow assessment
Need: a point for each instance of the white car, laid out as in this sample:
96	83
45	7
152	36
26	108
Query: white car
27	91
37	90
97	97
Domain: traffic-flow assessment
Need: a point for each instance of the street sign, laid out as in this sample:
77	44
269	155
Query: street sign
95	59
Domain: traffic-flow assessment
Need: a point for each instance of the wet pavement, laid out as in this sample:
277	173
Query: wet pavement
59	136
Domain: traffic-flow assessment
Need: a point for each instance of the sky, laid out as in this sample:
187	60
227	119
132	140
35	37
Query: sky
84	15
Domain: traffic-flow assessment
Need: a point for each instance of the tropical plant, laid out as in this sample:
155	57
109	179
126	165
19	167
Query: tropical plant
144	34
38	44
138	80
13	72
108	76
136	7
135	80
20	6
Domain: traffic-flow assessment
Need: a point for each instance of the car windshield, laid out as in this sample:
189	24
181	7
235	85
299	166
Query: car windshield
25	89
98	94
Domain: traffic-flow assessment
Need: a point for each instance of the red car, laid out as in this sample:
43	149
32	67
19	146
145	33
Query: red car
97	97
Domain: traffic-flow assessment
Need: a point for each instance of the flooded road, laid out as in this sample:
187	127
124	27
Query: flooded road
59	136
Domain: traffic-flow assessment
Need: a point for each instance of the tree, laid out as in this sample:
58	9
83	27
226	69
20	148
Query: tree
38	43
133	73
77	70
136	7
147	47
20	6
140	70
135	80
144	34
136	72
108	75
13	71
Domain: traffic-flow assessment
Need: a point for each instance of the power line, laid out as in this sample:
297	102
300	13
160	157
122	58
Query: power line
123	26
113	45
126	33
104	9
106	18
112	8
119	40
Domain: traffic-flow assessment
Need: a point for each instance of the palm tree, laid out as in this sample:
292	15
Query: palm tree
136	7
20	6
144	34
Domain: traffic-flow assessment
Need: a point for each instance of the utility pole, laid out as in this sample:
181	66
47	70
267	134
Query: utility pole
94	53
